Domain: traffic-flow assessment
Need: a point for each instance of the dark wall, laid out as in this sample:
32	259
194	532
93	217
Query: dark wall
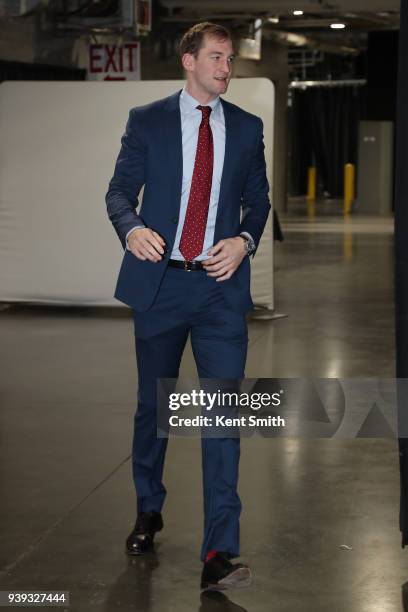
21	71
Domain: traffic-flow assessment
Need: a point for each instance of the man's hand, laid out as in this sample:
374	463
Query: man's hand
146	244
225	257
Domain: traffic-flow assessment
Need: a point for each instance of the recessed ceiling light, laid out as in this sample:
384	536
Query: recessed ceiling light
298	12
337	26
273	19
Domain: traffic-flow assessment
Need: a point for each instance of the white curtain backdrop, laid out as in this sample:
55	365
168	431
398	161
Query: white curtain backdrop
58	148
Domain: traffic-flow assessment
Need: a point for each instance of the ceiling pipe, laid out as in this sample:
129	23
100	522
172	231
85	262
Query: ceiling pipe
327	83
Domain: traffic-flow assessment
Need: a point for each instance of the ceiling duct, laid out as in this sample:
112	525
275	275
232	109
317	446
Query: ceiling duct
250	48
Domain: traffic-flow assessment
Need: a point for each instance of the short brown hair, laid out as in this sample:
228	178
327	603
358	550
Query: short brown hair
193	39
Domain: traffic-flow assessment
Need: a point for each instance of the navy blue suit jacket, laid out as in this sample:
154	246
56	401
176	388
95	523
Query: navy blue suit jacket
151	155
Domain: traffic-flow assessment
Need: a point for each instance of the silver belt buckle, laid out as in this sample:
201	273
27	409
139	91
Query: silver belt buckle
186	268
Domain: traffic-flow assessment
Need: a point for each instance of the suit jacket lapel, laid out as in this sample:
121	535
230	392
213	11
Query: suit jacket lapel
174	144
232	142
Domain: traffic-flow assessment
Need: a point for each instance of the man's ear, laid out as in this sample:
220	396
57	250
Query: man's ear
188	62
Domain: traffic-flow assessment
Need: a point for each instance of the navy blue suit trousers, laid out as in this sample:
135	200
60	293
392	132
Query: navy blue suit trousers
189	303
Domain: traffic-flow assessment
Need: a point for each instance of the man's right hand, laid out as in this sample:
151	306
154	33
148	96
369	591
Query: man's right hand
145	243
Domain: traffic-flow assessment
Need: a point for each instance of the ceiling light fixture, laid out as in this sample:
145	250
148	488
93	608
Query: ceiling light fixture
337	26
298	12
273	19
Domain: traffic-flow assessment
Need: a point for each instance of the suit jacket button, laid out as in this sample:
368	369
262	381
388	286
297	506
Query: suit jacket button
175	220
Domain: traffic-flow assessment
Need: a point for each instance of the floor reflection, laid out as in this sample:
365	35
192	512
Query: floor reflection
405	596
214	601
133	588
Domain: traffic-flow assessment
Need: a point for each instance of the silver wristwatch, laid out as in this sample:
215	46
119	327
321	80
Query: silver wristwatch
249	244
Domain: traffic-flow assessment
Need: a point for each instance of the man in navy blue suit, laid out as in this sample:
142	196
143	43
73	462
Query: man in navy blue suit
186	271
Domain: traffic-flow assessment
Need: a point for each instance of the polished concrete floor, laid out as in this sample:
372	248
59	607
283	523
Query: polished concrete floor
320	517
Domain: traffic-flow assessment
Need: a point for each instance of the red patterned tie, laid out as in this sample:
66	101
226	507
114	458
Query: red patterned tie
195	222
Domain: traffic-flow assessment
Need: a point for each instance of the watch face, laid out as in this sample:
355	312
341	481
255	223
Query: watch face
250	246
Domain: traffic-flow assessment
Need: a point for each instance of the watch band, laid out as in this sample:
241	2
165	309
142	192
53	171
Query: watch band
249	244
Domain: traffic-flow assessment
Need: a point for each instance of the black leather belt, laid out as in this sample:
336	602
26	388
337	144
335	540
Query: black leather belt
188	266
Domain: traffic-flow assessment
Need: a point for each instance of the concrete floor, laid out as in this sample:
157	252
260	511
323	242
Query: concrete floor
67	503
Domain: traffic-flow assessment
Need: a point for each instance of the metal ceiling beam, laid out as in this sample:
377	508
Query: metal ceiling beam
237	5
298	40
283	7
356	23
203	16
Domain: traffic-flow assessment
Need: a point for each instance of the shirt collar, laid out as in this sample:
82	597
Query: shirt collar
188	103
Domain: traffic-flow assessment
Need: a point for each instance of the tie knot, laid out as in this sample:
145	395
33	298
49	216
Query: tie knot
206	110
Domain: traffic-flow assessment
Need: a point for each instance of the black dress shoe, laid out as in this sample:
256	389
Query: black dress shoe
141	539
220	574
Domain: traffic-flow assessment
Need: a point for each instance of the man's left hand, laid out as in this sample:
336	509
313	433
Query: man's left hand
225	257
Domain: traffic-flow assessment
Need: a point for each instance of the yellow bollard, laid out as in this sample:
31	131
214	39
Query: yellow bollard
311	184
348	188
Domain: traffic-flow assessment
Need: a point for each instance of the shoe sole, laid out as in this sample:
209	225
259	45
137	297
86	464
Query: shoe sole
138	553
141	551
239	579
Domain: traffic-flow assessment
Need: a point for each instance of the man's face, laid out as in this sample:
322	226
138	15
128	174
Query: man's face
209	73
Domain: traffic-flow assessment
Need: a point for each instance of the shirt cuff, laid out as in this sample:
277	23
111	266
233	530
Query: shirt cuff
247	235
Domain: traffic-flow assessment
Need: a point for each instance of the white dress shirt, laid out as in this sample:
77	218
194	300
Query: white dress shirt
190	122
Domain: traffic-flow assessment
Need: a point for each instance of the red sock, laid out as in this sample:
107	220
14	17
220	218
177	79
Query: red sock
210	555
